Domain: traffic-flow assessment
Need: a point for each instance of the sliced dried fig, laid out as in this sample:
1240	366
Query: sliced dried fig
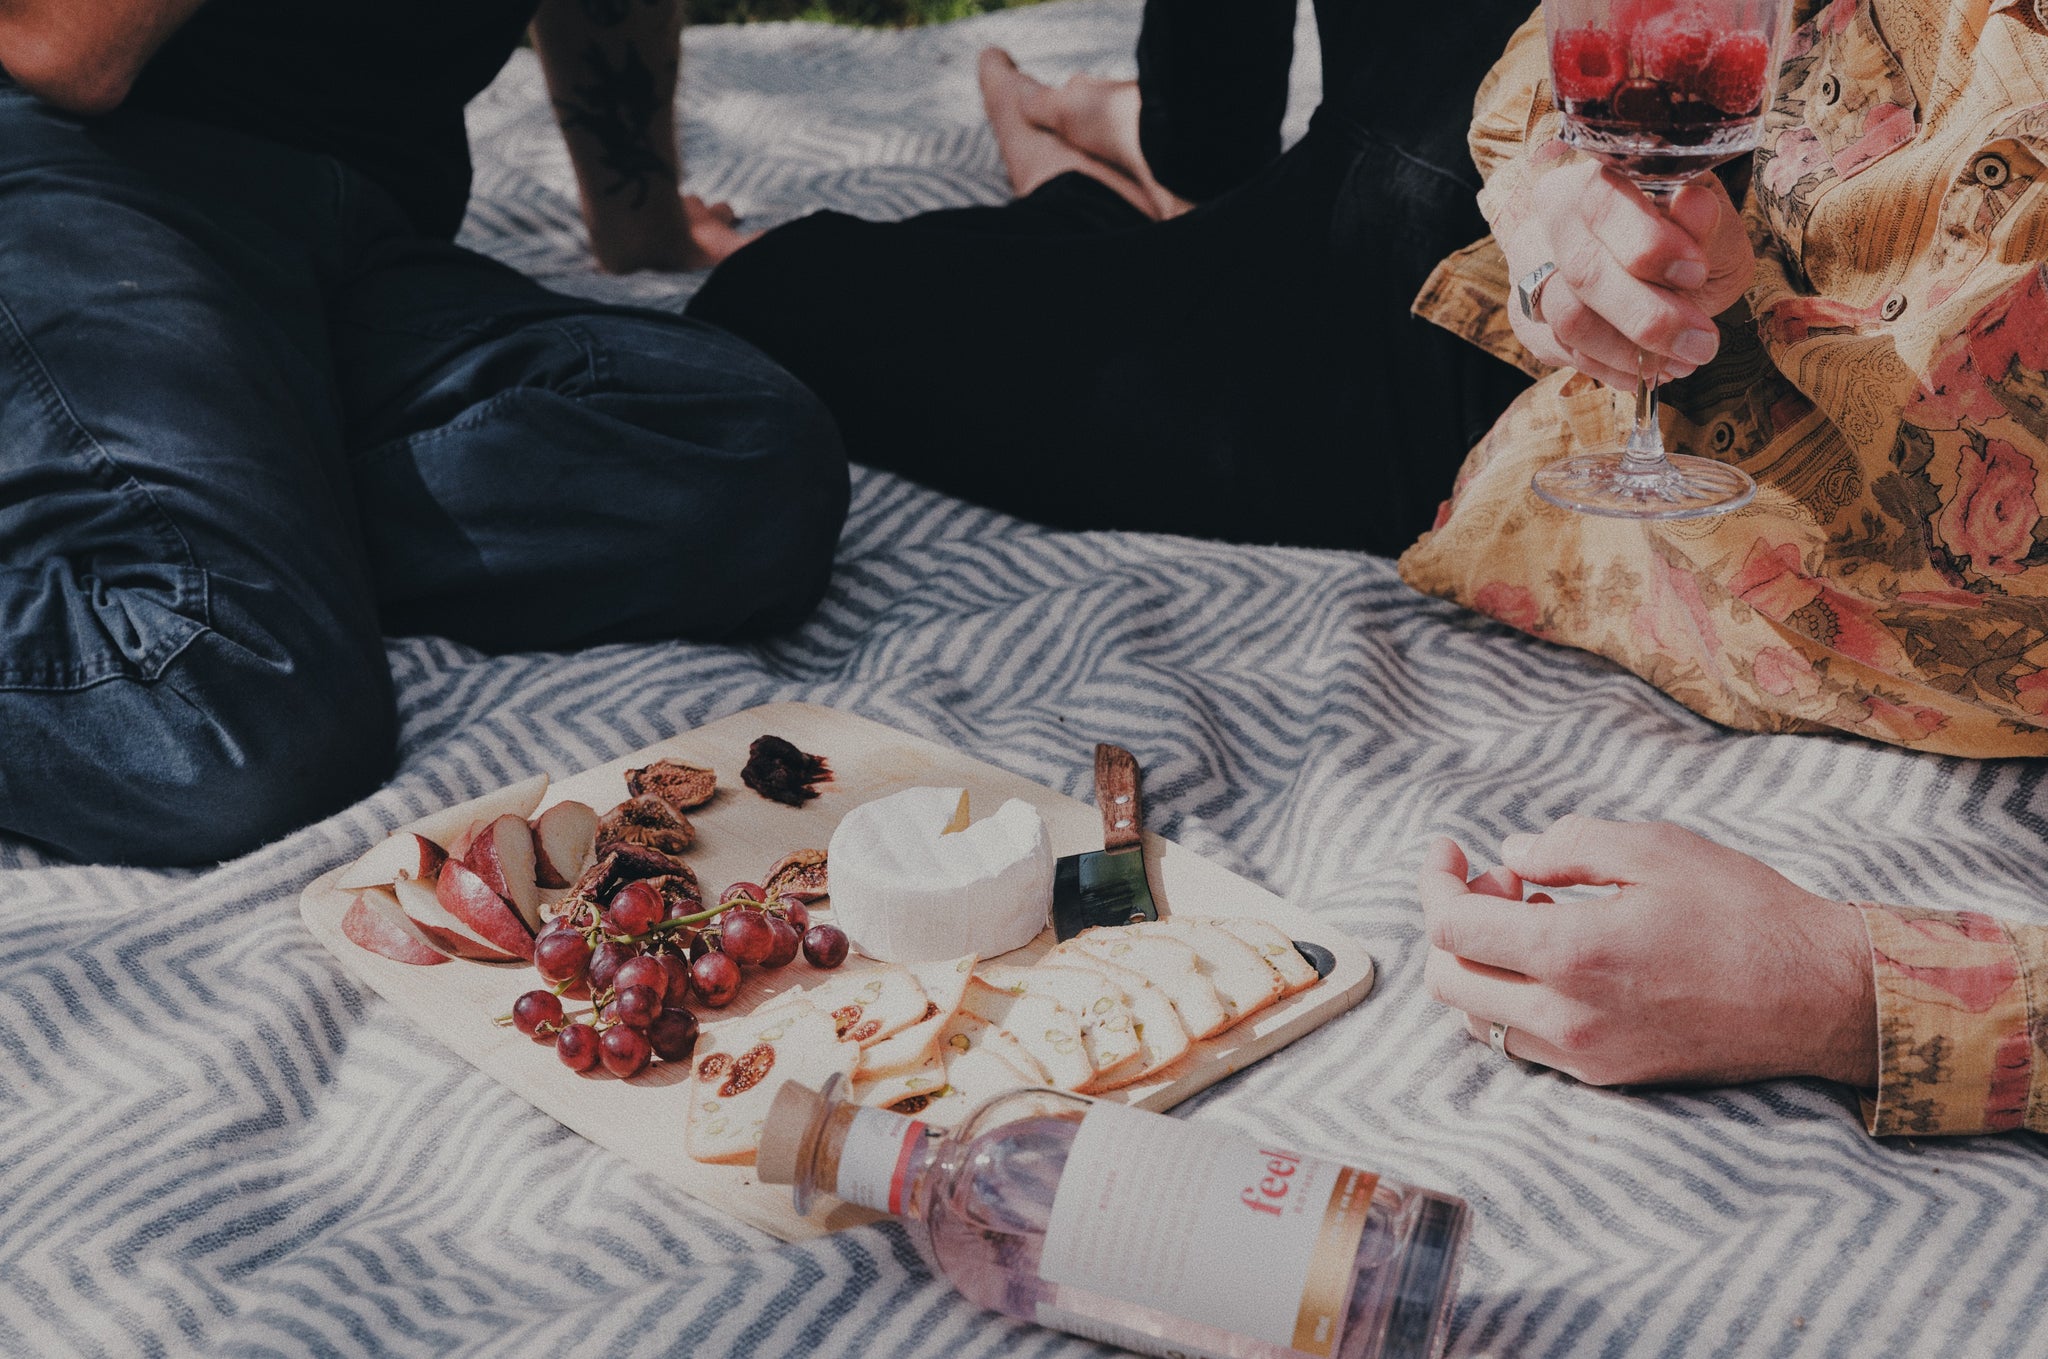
798	876
646	821
681	786
749	1071
615	866
679	892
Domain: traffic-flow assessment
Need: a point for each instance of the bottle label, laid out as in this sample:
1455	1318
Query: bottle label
1123	1337
875	1157
1208	1227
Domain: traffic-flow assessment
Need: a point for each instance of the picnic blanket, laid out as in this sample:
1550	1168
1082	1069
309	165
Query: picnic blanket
212	1143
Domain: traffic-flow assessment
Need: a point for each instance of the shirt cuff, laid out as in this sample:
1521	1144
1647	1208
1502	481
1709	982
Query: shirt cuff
1960	1023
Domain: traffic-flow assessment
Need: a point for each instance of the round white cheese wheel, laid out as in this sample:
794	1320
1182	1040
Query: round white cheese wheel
906	892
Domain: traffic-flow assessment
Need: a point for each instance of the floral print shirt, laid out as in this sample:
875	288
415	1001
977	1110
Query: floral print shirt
1886	383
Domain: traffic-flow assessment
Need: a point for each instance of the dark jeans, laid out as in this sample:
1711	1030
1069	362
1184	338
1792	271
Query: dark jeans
249	421
1249	371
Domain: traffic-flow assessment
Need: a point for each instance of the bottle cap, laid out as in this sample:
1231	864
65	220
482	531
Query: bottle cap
788	1132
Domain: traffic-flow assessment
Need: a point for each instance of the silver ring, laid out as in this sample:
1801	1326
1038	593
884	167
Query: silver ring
1497	1038
1529	292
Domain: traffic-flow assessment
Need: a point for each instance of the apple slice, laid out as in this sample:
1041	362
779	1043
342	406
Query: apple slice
496	921
502	855
375	921
403	854
564	843
452	827
422	905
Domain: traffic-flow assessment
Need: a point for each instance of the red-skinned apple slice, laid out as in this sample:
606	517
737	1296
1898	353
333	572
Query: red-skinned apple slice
453	827
564	842
375	921
403	854
502	855
470	900
422	905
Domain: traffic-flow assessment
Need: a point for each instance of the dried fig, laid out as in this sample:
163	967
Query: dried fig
781	773
798	876
681	786
616	865
748	1071
646	821
680	893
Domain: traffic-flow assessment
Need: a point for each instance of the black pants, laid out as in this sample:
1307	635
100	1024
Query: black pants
1249	371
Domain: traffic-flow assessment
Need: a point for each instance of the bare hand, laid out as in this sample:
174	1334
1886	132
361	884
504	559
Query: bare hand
1629	278
714	231
690	234
1705	967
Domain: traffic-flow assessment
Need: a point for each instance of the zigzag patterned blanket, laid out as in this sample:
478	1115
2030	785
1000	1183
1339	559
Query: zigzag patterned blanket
212	1144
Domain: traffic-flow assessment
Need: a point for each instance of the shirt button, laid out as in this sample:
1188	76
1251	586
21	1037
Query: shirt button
1894	307
1991	170
1722	436
1830	90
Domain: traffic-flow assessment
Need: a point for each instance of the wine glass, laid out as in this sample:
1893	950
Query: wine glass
1661	91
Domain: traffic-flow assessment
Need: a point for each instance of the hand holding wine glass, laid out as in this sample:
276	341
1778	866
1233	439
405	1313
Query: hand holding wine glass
1630	278
1656	92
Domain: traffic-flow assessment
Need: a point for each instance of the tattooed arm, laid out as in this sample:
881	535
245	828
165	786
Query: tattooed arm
611	70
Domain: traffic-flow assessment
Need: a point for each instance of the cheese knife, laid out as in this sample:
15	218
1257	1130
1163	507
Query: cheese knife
1108	886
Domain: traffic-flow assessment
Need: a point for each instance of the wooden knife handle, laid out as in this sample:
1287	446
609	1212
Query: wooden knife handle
1116	794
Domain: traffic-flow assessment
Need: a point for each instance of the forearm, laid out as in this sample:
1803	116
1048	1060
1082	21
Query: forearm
611	68
84	57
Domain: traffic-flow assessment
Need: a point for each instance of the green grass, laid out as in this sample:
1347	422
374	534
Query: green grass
877	13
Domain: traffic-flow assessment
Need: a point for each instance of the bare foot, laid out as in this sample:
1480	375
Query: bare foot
1031	154
1100	118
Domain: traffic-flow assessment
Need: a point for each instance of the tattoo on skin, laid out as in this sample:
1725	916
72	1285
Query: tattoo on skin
615	109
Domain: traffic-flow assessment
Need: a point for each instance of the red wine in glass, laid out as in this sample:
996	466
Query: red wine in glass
1661	91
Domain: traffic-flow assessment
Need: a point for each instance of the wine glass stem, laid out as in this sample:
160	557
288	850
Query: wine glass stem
1644	453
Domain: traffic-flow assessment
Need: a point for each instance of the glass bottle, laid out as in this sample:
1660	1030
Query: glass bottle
1159	1235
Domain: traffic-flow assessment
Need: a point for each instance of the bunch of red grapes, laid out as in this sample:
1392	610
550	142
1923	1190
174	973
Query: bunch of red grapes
641	956
1663	62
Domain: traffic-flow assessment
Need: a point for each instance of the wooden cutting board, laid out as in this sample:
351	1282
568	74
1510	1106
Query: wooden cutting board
739	835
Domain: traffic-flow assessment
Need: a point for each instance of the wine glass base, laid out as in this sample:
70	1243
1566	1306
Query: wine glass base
1601	483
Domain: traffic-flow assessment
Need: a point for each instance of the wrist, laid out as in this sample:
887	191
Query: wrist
1845	987
655	235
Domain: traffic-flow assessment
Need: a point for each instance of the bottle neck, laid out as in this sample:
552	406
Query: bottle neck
874	1158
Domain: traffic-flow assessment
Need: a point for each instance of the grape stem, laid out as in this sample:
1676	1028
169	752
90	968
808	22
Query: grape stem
720	909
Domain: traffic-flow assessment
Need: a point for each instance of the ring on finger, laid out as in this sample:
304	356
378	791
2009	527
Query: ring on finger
1497	1039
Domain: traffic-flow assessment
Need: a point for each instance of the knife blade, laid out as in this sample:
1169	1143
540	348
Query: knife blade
1107	886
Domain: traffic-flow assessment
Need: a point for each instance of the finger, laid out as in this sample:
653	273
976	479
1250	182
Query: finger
1445	855
1519	1044
1702	209
1485	929
1637	236
1657	320
1497	882
1579	850
1509	998
1593	337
